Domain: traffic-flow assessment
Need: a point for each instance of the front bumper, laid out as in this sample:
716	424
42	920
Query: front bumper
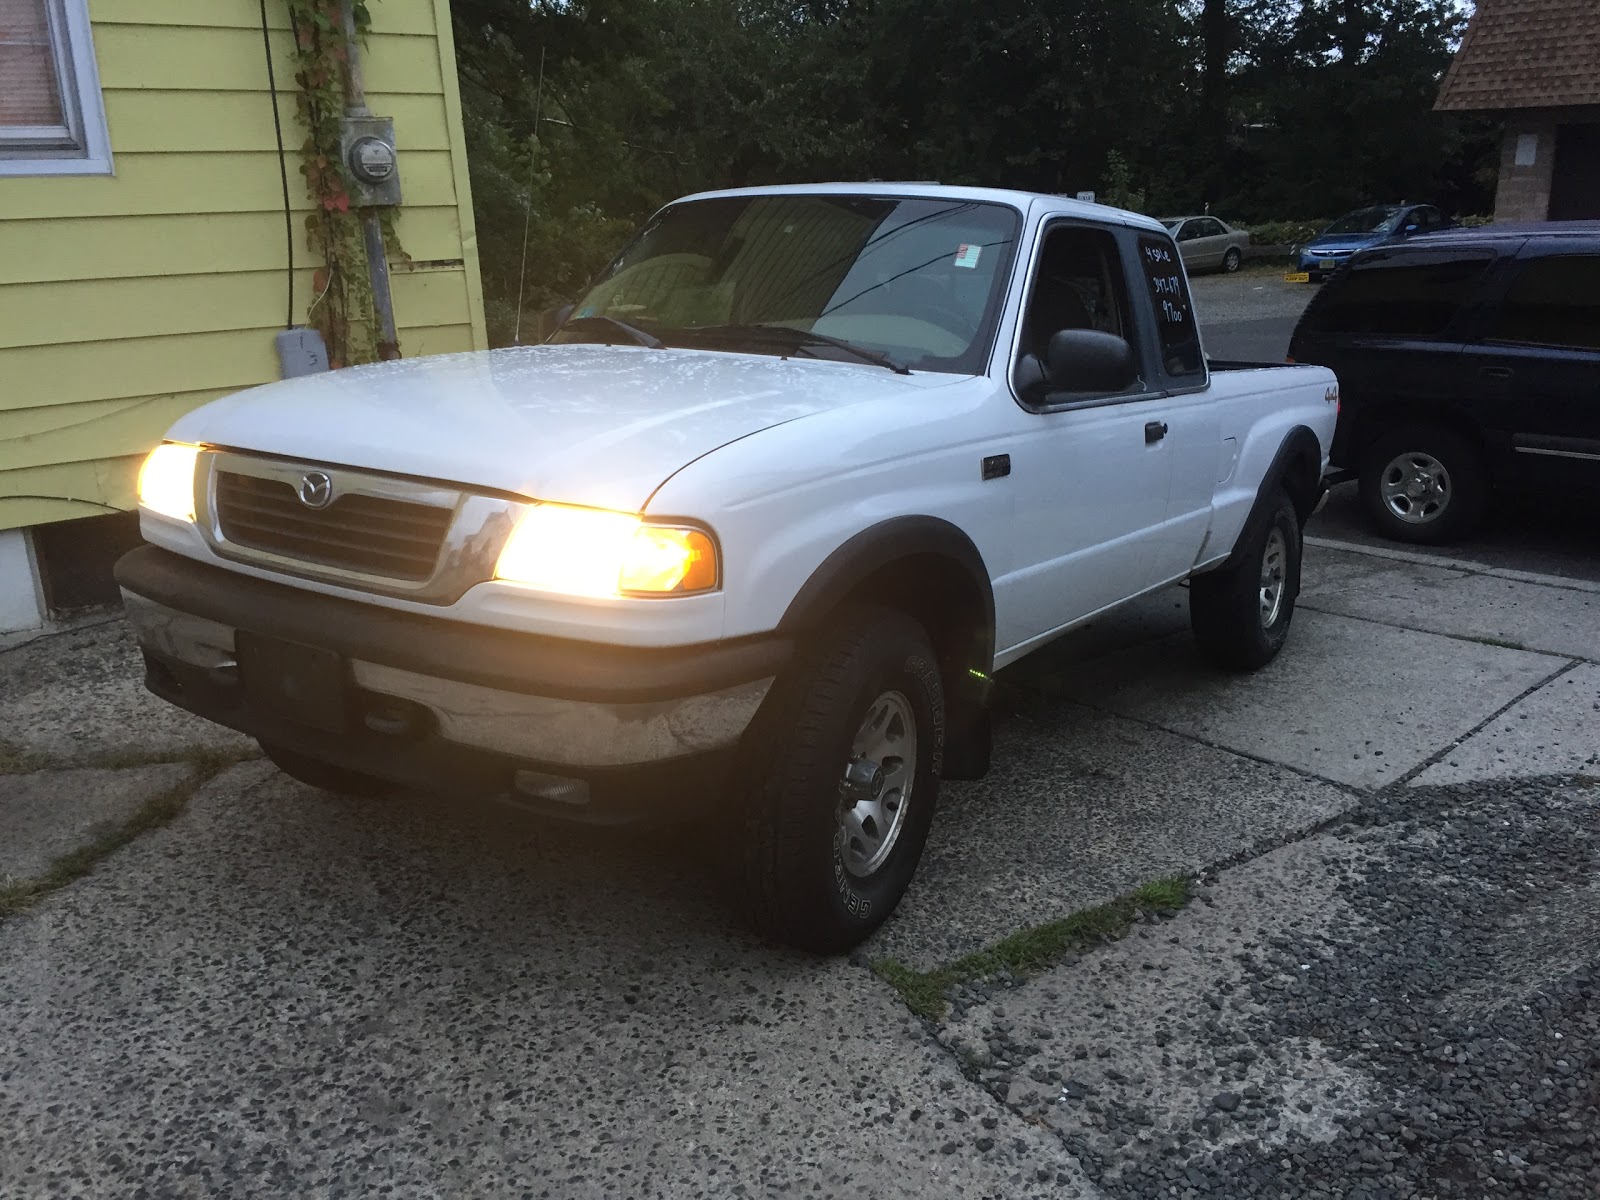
448	707
1321	264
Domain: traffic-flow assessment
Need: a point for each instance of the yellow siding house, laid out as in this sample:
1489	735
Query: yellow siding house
143	258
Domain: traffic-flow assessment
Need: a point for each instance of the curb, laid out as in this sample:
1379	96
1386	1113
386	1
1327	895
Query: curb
1467	566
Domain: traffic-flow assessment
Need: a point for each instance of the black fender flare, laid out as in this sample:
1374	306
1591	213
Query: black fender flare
869	551
966	654
1299	448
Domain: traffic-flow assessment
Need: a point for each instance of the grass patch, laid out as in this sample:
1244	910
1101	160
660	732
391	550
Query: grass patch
1502	643
1166	895
16	760
1276	264
206	757
1031	950
19	895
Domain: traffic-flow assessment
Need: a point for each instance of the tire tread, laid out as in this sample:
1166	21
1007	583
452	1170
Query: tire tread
778	763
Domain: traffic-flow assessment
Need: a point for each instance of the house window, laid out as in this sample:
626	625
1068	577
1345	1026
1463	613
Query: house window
51	118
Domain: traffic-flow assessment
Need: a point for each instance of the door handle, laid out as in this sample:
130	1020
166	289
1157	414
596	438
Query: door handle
1154	431
1496	372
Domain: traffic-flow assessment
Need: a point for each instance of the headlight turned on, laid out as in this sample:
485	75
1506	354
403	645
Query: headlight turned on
593	552
166	481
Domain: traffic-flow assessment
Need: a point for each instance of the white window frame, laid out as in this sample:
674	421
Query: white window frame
81	146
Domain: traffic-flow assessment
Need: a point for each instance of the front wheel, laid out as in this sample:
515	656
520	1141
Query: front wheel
838	780
1241	614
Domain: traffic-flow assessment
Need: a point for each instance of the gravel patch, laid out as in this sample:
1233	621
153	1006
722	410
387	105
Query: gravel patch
1405	1009
78	697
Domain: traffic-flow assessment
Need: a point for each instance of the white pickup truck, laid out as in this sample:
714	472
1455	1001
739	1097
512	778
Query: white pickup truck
746	538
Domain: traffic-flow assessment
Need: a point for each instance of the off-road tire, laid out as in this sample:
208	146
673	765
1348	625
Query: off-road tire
1469	484
785	847
324	776
1226	607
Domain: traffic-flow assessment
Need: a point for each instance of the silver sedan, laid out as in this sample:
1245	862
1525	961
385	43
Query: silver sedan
1207	244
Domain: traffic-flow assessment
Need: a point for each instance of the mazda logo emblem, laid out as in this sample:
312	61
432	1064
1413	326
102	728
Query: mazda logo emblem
316	489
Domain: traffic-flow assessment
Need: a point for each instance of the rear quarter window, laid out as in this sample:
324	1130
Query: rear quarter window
1552	302
1179	336
1394	294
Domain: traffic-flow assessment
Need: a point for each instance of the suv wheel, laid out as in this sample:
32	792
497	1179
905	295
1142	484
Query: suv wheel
1241	614
837	783
1423	484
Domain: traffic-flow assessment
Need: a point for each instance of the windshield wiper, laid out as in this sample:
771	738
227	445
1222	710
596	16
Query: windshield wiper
633	332
802	338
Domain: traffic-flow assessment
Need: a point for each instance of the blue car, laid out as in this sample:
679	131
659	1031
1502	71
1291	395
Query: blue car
1362	228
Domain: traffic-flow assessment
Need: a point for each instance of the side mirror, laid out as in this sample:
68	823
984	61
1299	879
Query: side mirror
1412	228
1086	360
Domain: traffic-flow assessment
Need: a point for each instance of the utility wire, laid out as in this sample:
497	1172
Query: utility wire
283	165
527	215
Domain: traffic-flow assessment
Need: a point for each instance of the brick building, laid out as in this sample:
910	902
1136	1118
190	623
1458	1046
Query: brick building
1536	65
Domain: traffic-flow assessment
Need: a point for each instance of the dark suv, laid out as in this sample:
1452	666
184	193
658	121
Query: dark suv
1467	359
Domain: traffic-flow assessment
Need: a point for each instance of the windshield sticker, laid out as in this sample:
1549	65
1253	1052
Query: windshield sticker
967	256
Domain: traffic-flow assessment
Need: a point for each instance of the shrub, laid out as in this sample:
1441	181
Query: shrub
1285	233
1293	233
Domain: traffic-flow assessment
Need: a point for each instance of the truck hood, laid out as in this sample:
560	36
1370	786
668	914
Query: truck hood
594	425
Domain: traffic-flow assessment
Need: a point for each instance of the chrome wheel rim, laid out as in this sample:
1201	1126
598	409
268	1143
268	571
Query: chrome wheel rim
1415	488
1274	568
875	793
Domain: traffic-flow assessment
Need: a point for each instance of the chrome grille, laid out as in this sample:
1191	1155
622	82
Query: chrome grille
371	535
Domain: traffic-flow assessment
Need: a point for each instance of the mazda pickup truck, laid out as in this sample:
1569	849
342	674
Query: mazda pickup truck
746	539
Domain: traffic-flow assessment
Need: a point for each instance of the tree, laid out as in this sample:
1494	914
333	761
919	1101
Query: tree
1264	108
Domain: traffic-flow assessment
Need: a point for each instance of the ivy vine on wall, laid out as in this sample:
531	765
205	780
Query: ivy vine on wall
342	304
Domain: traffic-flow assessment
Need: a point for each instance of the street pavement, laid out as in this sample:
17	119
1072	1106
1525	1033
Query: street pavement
1249	316
282	992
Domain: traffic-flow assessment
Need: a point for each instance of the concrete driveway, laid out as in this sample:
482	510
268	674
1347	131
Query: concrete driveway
269	991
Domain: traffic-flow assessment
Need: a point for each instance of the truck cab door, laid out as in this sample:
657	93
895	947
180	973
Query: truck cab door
1092	471
1175	364
1538	366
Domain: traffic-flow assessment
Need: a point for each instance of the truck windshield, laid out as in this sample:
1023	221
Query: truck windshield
906	283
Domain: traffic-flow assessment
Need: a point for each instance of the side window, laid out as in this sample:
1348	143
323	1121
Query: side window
1211	227
1432	218
1188	231
51	118
1552	302
1399	295
1169	297
1078	284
